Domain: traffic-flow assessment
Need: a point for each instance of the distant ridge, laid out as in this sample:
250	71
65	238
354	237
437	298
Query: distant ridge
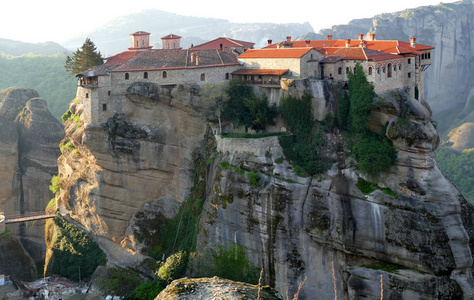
17	48
113	37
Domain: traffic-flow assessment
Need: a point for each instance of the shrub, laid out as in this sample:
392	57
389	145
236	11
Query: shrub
374	153
55	185
228	262
66	116
174	267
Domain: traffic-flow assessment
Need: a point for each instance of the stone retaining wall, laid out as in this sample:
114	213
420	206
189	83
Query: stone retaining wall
2	224
257	147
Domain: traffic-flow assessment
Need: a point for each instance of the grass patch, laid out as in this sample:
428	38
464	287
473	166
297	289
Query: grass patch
384	266
368	187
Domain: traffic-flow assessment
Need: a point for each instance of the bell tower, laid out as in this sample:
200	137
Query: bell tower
140	40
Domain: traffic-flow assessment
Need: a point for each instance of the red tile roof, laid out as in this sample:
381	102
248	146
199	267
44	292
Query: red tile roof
140	33
121	58
226	43
275	53
398	47
277	72
171	37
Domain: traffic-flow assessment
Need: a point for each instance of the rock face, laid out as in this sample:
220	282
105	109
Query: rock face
141	159
215	288
412	231
29	149
462	137
14	259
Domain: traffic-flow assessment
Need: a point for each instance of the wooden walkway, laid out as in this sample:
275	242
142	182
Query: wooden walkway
29	217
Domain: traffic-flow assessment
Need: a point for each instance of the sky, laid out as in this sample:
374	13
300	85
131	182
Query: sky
58	20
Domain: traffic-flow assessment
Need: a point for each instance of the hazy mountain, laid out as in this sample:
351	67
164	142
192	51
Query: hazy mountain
113	37
17	48
448	27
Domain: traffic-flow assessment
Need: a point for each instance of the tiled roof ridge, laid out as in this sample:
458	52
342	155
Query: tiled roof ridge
220	57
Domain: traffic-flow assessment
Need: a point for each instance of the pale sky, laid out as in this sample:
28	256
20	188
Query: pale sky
59	20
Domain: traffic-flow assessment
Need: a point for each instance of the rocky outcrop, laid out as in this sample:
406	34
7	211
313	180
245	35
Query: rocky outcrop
215	288
141	159
29	150
462	137
15	260
412	232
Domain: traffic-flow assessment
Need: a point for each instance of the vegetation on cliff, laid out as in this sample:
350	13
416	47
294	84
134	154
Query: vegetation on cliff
305	145
73	254
244	108
372	151
458	166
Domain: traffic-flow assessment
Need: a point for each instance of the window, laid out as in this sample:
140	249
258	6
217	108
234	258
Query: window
145	75
339	71
203	77
409	61
399	67
347	70
226	76
87	95
389	70
378	70
409	75
429	55
383	69
108	93
104	107
355	70
370	71
127	77
165	74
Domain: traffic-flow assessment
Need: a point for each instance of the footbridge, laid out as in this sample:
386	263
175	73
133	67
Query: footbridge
34	216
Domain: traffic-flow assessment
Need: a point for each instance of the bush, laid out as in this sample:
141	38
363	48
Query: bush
66	116
174	267
55	185
74	253
374	153
228	262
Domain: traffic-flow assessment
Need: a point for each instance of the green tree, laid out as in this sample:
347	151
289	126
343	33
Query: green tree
361	95
246	109
84	58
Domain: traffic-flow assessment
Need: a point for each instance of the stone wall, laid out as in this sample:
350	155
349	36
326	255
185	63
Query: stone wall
2	224
256	147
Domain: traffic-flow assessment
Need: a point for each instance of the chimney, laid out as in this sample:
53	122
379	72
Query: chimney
348	43
360	36
197	60
307	43
221	47
412	42
288	38
329	37
362	44
372	37
192	57
269	42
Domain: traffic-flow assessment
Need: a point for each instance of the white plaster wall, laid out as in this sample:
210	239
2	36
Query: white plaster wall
257	147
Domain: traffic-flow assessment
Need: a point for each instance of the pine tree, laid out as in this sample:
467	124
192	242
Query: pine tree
84	58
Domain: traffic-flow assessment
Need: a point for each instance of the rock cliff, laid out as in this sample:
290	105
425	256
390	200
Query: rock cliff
14	259
408	230
29	150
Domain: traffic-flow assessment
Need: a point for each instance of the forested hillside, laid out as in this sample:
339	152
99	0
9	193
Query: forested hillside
45	74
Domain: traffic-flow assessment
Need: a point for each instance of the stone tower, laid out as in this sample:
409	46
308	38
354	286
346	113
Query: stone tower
171	41
140	40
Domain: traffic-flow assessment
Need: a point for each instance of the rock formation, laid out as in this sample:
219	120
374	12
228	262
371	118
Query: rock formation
411	231
215	288
29	148
462	137
14	259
